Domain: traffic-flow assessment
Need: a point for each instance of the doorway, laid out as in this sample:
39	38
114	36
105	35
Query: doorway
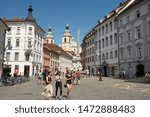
140	70
105	71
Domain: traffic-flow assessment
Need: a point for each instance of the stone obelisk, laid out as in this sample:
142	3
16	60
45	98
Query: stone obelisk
78	43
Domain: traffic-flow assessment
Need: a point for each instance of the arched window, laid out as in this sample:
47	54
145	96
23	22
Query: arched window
9	42
65	40
29	43
47	41
17	42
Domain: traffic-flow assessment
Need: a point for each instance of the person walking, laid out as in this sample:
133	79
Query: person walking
44	76
48	90
78	77
68	79
40	77
74	75
147	74
58	84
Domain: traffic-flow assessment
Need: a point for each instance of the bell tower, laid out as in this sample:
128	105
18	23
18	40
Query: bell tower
30	16
49	39
66	39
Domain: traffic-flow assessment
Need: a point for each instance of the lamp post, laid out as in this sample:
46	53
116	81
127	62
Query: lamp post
100	64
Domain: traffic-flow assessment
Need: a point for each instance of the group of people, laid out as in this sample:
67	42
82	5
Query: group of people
71	77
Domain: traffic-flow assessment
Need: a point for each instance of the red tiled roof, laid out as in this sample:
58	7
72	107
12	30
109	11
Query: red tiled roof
13	20
56	48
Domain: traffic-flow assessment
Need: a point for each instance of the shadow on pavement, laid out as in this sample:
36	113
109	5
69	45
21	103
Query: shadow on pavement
144	80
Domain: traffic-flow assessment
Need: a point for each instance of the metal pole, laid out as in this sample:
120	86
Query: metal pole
100	70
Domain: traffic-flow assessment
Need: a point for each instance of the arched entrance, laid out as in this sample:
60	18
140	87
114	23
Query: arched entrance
140	70
105	70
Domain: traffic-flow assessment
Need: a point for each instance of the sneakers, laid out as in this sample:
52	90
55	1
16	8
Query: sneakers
58	97
68	97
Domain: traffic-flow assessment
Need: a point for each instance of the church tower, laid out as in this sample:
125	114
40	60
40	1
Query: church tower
49	39
66	39
30	16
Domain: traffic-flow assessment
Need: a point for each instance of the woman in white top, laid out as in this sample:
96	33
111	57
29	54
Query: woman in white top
58	84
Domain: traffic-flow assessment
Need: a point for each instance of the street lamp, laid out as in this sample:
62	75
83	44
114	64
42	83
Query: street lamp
100	70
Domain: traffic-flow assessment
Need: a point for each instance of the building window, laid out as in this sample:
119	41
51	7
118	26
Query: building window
17	42
120	22
138	32
96	45
99	44
16	56
38	47
128	18
30	31
107	55
92	58
111	40
29	43
65	40
99	31
36	58
111	55
121	53
137	13
121	38
9	42
103	56
27	57
129	35
92	41
148	8
111	26
116	53
18	31
93	50
8	56
129	52
90	51
115	38
103	43
139	52
106	28
103	30
106	41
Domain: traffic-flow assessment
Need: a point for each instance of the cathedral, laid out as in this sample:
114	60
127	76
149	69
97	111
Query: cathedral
69	46
68	43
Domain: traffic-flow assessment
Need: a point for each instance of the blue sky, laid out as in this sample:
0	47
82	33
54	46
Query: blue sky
57	13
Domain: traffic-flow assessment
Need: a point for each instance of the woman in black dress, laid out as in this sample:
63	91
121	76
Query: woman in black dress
68	79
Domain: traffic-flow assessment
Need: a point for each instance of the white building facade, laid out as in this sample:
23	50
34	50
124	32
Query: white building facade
25	36
134	38
106	45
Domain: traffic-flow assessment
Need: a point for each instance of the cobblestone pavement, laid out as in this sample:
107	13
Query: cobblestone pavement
89	89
